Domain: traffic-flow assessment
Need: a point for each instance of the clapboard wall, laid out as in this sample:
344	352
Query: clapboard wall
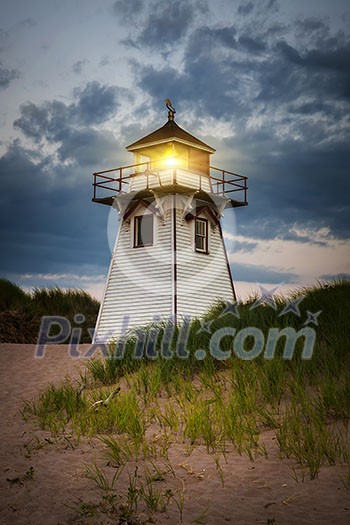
140	281
202	278
151	283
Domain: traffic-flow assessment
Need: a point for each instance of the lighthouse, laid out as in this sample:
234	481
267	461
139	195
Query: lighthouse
169	260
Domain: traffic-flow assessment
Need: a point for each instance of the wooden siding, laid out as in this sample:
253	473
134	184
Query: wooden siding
193	180
166	178
141	286
201	278
139	283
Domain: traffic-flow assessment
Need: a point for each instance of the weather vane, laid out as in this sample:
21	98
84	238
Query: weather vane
171	109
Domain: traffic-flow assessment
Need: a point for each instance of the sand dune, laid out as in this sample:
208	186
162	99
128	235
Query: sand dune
40	479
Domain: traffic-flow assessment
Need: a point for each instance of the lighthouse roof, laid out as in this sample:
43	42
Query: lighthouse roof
168	133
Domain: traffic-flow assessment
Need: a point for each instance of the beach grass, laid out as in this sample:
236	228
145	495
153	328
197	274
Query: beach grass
21	311
225	406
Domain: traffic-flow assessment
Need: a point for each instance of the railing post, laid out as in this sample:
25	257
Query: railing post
94	186
223	183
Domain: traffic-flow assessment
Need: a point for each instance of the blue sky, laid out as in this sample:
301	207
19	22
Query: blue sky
266	83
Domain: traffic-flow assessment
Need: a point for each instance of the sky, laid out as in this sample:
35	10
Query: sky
266	83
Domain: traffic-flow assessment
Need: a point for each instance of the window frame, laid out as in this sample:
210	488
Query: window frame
205	237
137	222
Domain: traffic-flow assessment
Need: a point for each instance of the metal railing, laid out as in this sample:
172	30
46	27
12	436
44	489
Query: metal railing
223	183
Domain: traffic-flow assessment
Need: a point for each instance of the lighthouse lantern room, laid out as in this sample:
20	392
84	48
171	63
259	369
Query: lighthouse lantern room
169	259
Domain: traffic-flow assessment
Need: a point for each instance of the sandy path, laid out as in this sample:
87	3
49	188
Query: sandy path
253	492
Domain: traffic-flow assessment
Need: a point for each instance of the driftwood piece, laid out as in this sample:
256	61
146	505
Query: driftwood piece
105	402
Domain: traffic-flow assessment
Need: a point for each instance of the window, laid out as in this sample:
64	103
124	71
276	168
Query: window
201	235
143	231
143	159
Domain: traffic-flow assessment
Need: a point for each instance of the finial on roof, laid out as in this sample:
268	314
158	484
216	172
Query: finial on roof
172	111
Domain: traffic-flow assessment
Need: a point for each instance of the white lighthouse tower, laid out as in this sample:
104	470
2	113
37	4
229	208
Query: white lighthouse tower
169	259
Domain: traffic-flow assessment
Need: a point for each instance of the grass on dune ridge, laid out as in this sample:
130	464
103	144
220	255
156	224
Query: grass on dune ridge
331	350
21	311
225	406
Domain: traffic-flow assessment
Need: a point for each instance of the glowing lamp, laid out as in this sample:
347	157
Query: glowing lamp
171	161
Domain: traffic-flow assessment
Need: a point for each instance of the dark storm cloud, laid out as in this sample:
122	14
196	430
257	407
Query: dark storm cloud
7	76
245	9
52	122
303	186
289	74
282	88
288	104
70	125
89	147
166	23
18	160
337	58
276	70
211	79
47	220
96	103
197	88
45	121
307	26
252	45
206	41
267	5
